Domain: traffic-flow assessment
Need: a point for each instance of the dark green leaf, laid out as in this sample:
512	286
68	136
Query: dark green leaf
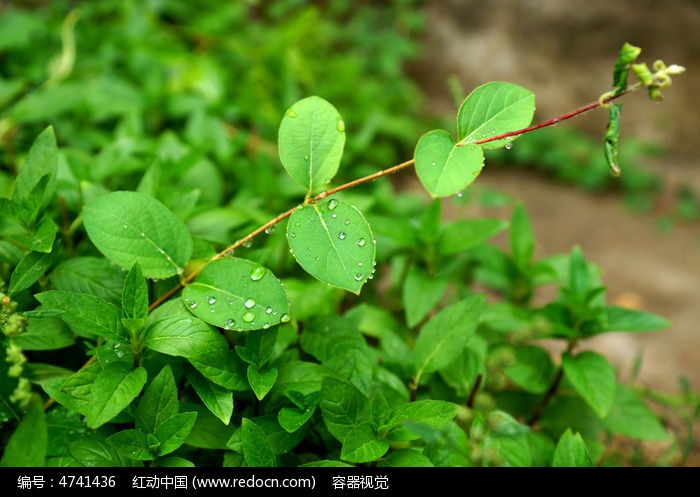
261	382
257	451
135	294
343	406
420	294
593	378
218	400
114	389
27	444
361	445
41	161
533	370
158	403
30	269
173	431
94	276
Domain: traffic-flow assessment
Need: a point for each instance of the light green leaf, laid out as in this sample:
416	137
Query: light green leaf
237	294
361	445
261	382
571	451
291	418
522	239
40	238
464	234
94	453
628	54
174	331
443	167
26	446
158	403
533	370
493	109
443	338
311	140
622	319
405	458
74	392
631	417
420	294
218	400
435	413
593	378
129	227
30	269
45	334
42	160
88	316
114	389
257	451
333	242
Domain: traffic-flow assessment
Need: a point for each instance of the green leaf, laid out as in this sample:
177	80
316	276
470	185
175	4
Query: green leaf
74	392
493	109
311	140
158	403
361	445
291	418
333	242
261	382
114	389
133	444
27	444
135	294
405	458
208	431
30	269
129	227
533	370
593	378
218	400
443	167
299	376
39	238
464	234
420	294
44	334
42	160
628	54
571	451
343	406
95	453
9	253
443	338
257	451
612	138
522	239
88	316
631	417
435	413
173	431
94	276
622	319
174	331
237	294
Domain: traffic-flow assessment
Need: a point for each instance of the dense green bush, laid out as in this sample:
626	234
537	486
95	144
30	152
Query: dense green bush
191	278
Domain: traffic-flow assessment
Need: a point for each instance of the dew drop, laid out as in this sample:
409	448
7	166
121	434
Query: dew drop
265	326
359	276
268	310
270	230
248	317
257	273
284	318
143	235
212	310
340	125
292	113
342	235
125	226
347	221
317	258
332	204
292	235
211	300
509	145
247	244
334	215
193	305
249	304
230	323
362	242
433	164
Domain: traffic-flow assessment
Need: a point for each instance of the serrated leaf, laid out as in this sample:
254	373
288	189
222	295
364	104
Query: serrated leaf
443	338
443	167
257	451
114	389
91	275
435	413
173	431
74	392
88	316
237	294
361	445
593	378
129	227
333	242
493	109
311	140
571	451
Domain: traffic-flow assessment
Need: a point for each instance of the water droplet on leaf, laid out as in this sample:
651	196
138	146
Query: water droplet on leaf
332	204
284	318
292	113
257	273
249	304
341	125
211	300
362	242
342	235
248	317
